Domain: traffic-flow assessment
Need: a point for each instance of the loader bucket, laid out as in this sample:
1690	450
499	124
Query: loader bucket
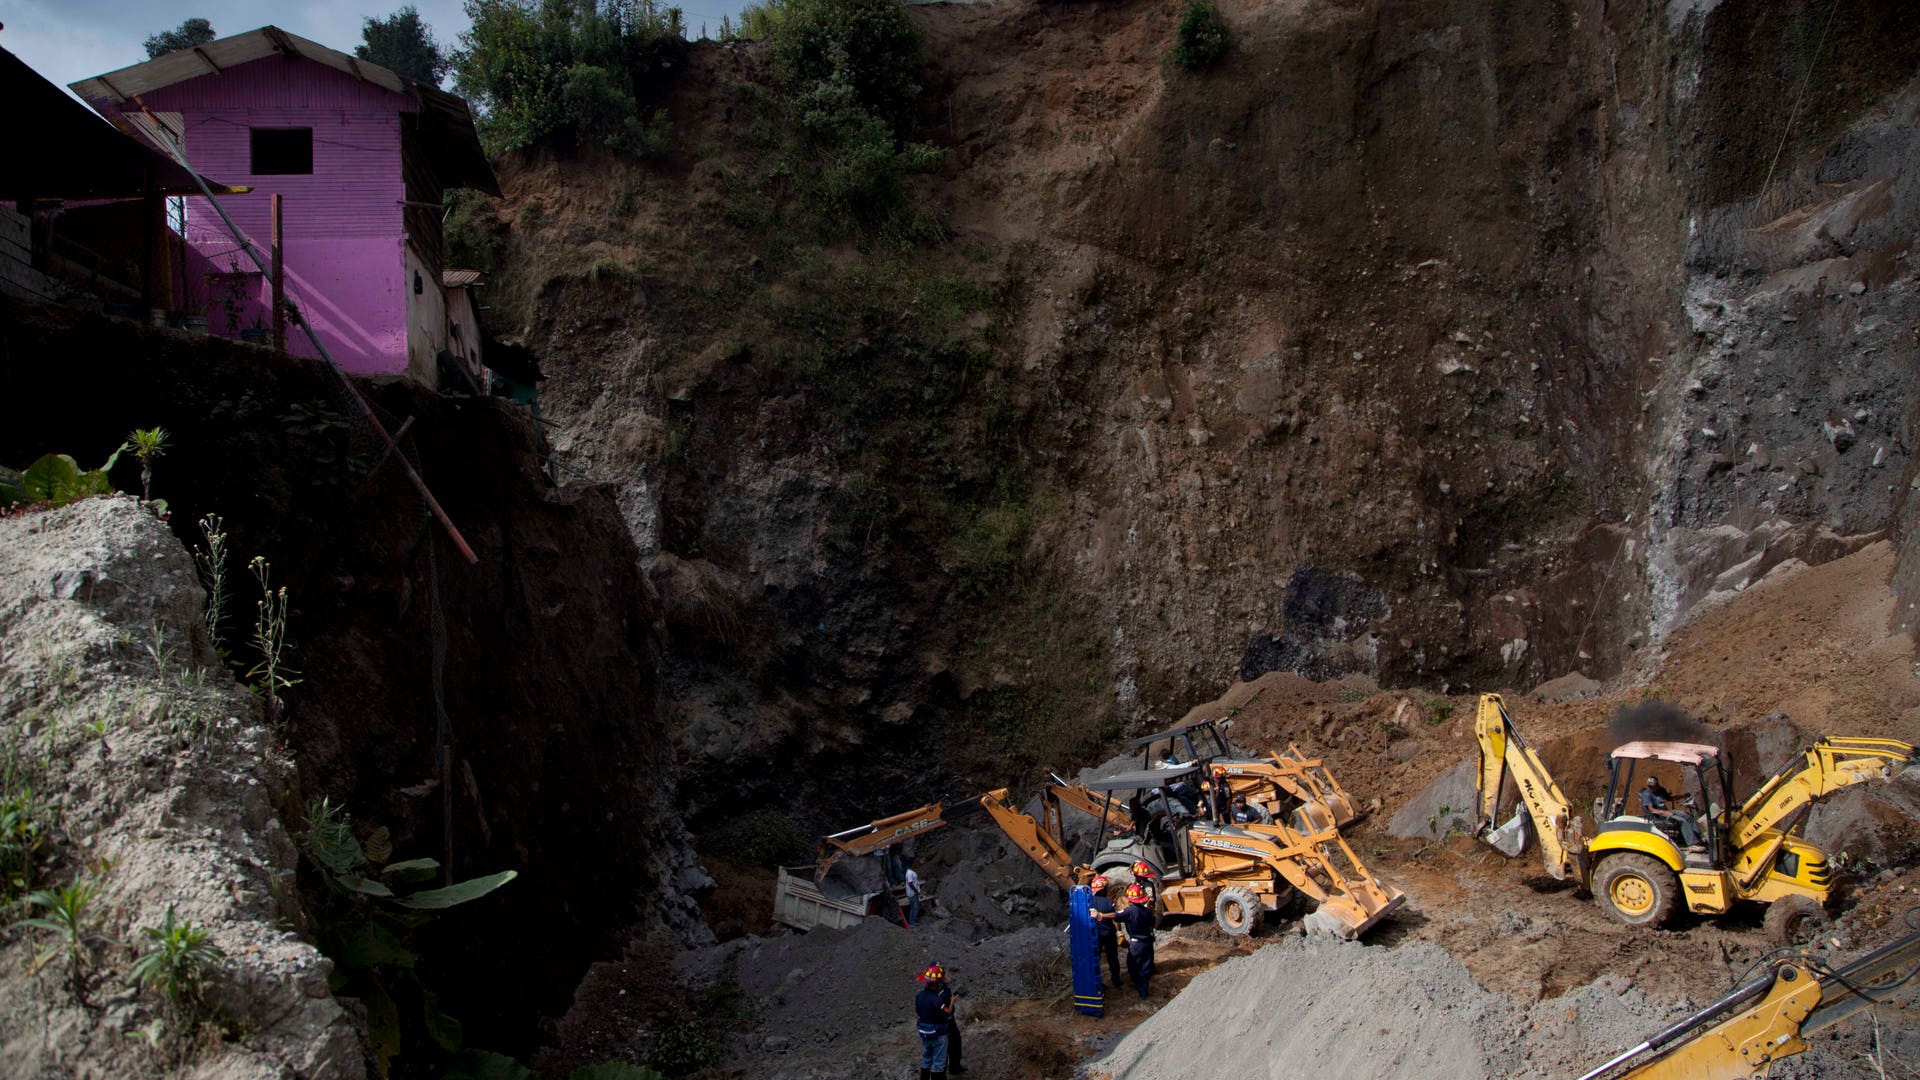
1352	914
1511	839
1330	811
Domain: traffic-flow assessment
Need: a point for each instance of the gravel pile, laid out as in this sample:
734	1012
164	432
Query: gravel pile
1366	1012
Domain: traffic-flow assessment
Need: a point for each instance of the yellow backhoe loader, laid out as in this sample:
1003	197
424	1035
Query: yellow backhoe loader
1769	1018
1238	873
1641	867
1286	785
1202	865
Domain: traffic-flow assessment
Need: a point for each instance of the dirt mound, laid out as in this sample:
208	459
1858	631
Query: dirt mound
1371	1013
152	779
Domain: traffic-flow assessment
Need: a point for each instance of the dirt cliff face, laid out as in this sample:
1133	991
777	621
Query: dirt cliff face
548	681
1453	343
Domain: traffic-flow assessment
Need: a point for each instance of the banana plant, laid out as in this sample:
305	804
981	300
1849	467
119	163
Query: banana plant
56	479
366	922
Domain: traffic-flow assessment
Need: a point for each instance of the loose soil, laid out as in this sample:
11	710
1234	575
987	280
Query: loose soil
1492	969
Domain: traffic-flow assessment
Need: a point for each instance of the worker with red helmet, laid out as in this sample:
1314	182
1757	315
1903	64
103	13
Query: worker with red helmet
1220	795
933	1008
1139	920
1144	877
1100	905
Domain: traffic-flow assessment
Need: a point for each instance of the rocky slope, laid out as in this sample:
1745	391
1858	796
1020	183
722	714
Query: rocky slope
1451	343
152	778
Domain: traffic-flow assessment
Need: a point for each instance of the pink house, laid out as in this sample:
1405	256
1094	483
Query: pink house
360	159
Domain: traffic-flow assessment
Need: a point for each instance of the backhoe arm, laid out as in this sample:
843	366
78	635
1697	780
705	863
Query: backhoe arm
1041	844
877	835
1091	803
1504	754
1826	767
1770	1018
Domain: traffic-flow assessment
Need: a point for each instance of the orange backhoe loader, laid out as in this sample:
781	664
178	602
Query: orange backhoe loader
1239	873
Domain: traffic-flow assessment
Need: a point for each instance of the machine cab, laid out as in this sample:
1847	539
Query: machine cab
1192	744
1147	815
1700	784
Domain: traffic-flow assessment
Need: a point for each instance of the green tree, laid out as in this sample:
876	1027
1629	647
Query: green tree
872	46
185	36
851	73
567	72
403	44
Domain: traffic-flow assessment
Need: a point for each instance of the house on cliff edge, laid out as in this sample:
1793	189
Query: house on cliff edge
360	159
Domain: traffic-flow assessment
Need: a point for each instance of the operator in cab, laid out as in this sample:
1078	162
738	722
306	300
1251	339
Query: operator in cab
1657	803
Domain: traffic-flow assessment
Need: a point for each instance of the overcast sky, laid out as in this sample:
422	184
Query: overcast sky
69	40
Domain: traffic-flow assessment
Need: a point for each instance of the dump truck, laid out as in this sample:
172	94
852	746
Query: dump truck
1639	867
814	895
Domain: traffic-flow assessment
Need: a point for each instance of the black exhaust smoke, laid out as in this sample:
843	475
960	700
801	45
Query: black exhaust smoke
1658	721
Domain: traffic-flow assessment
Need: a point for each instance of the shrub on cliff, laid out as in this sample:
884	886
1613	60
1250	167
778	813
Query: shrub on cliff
1202	38
567	72
871	45
850	70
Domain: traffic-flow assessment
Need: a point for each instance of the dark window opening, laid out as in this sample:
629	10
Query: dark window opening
282	151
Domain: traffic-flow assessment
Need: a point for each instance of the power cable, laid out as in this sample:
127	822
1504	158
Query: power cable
1813	62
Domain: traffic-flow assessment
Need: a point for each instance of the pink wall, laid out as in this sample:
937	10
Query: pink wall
345	264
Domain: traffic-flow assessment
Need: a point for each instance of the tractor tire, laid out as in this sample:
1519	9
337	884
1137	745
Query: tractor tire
1638	890
1795	920
1237	909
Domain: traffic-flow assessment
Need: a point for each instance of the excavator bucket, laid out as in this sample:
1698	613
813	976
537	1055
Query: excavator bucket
1511	839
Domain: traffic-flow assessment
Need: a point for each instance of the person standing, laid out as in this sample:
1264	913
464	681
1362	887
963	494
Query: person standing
1139	920
1222	796
933	1013
1106	935
912	879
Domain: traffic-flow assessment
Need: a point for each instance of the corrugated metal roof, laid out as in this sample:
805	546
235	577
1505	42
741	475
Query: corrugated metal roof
459	279
65	152
447	122
216	56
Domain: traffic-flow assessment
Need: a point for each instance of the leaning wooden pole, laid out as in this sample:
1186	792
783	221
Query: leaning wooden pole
260	264
279	282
